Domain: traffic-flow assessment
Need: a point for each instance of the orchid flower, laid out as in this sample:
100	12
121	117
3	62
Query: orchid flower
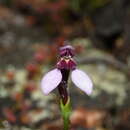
59	75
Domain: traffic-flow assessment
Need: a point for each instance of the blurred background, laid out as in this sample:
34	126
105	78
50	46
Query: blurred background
31	31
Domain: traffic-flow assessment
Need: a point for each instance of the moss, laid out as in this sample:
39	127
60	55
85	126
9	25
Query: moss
87	5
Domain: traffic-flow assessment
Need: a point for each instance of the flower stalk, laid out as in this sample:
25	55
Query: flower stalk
66	112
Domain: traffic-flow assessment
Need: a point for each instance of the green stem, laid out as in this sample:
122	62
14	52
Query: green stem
66	112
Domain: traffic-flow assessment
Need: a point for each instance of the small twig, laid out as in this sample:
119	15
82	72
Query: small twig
108	61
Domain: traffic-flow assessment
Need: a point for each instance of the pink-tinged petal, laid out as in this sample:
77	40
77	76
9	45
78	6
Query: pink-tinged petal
50	81
82	81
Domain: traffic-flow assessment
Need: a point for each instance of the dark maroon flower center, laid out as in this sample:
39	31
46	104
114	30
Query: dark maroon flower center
66	61
68	64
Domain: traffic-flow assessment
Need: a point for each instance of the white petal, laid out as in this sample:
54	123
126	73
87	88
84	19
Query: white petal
50	81
82	81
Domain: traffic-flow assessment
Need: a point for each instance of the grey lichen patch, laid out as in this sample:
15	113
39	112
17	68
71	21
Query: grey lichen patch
106	79
82	41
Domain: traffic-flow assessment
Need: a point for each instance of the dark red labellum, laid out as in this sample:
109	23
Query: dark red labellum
66	64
